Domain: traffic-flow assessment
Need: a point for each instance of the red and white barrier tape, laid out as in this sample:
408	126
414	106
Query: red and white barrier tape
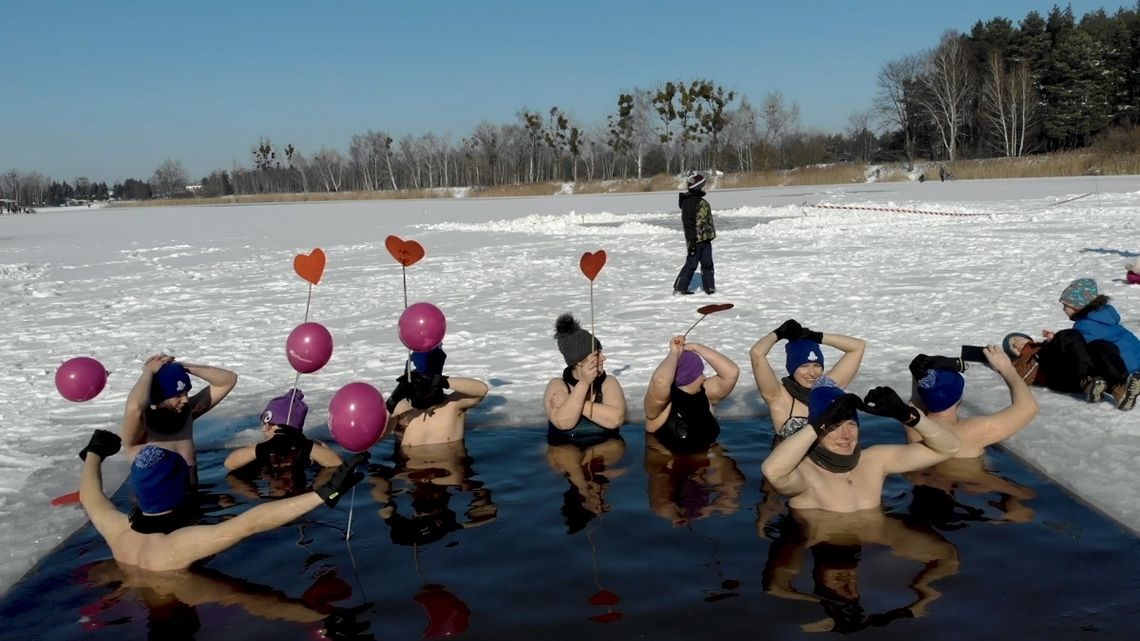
894	210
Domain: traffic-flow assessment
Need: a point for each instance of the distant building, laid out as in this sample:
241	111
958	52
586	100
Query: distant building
193	188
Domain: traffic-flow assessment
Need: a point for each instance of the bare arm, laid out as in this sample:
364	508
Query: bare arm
564	409
727	373
133	430
781	468
107	520
240	457
660	384
766	380
610	413
1023	407
847	367
221	382
189	544
937	445
470	392
324	455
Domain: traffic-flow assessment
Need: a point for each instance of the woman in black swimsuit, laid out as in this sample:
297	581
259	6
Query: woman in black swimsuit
678	403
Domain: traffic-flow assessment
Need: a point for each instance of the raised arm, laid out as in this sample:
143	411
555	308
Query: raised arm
221	382
727	373
766	380
133	430
938	443
847	366
660	384
107	520
467	392
1022	408
781	468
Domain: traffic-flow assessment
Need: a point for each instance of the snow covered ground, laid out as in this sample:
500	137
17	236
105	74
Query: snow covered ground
215	285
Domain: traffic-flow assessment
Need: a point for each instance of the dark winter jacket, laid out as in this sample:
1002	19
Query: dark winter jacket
696	217
1101	321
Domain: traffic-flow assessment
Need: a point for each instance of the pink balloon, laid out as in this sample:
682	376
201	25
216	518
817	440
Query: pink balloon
357	416
80	379
309	347
422	327
1134	278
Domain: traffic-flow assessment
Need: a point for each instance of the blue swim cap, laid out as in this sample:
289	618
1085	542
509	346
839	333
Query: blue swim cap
159	478
941	388
169	381
802	351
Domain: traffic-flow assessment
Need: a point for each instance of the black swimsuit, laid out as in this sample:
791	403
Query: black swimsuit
585	432
690	426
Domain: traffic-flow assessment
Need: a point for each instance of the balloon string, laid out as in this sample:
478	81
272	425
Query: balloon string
404	272
308	301
292	397
351	505
593	333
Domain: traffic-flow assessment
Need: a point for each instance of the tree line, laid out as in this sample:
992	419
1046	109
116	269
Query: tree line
1044	83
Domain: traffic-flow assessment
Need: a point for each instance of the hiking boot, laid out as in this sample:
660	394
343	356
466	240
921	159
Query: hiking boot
1094	388
1126	393
682	292
711	292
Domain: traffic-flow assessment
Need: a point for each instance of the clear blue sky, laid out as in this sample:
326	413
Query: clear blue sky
109	89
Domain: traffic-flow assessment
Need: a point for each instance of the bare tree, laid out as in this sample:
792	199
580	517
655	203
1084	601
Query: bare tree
1009	104
329	167
896	102
778	122
741	135
947	91
862	138
170	178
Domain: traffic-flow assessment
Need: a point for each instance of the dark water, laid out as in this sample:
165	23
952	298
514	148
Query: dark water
518	540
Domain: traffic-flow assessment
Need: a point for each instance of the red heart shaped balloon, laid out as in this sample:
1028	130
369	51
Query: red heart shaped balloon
712	309
310	266
406	252
592	263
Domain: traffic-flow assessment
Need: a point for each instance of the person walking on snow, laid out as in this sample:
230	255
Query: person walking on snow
696	218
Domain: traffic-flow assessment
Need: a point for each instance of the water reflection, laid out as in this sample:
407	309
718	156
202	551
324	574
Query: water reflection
428	475
589	468
688	487
171	599
837	544
936	495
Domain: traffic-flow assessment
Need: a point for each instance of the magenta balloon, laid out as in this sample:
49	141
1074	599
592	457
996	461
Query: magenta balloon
80	379
422	327
357	416
309	347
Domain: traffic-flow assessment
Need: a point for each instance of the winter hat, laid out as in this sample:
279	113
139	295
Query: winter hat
287	409
940	389
695	181
822	395
1079	293
429	362
159	478
574	342
689	367
171	380
1007	343
802	351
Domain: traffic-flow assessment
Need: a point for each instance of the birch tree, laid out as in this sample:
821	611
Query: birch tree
947	91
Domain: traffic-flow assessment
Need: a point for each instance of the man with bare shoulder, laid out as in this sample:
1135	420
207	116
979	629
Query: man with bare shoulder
154	535
824	468
938	390
160	410
422	412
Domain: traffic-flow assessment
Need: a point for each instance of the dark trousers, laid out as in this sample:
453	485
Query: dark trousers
1067	359
702	253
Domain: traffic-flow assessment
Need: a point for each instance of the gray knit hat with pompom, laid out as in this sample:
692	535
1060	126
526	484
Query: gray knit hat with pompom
574	342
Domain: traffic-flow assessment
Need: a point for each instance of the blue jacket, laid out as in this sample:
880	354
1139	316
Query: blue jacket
1104	324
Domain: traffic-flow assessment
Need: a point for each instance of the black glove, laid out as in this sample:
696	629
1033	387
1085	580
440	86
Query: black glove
811	335
840	410
105	444
342	480
429	381
884	401
790	330
692	248
922	364
286	440
398	394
